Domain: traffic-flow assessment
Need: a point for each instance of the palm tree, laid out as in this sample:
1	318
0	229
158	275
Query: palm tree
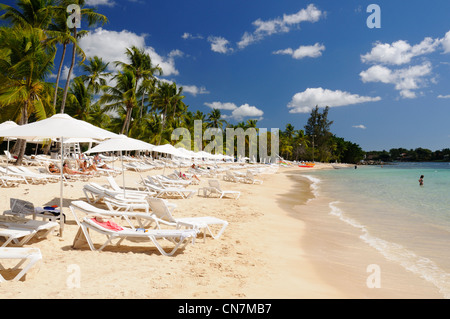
122	96
167	97
60	31
215	119
92	18
25	63
30	14
79	101
96	74
144	71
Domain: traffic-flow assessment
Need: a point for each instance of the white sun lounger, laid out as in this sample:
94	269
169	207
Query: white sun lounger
231	177
13	228
128	190
214	188
32	255
179	238
250	178
144	219
161	210
15	236
8	181
168	191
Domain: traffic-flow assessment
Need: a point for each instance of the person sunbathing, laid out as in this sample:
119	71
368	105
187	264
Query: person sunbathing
85	168
52	168
98	162
69	171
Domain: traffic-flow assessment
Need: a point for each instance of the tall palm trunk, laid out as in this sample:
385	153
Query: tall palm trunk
126	124
22	143
163	125
66	89
58	76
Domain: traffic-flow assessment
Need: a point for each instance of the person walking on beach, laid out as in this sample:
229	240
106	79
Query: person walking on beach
421	180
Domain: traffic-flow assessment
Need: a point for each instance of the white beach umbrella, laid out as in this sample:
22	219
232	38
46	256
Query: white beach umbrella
58	126
186	153
119	144
80	140
167	149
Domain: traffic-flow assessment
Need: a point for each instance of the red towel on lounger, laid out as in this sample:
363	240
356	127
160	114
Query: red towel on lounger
108	225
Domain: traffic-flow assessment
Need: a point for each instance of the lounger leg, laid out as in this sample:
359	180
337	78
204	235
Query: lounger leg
31	263
177	246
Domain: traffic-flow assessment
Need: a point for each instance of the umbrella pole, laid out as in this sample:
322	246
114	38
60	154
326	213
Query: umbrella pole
7	158
61	218
123	175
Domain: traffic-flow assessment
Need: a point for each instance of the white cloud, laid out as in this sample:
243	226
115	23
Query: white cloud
399	52
405	80
188	35
238	113
219	44
444	96
446	42
111	47
222	106
65	73
279	25
246	110
95	3
304	102
312	51
363	127
194	90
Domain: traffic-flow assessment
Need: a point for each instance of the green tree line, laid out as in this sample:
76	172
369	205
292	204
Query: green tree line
412	155
131	101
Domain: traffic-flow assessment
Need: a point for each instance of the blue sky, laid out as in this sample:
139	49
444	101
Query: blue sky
273	61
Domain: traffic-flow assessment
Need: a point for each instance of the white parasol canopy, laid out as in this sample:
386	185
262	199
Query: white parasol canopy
7	125
58	126
121	143
167	149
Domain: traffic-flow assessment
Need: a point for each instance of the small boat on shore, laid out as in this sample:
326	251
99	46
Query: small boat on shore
307	165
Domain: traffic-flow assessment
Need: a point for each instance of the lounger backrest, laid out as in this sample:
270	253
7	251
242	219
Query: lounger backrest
160	209
113	184
21	206
214	183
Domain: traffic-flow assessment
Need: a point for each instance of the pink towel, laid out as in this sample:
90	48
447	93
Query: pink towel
108	225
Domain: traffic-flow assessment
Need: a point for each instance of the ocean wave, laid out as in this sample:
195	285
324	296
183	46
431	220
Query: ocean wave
421	266
314	185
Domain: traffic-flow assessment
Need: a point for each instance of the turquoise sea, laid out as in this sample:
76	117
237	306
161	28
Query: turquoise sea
408	224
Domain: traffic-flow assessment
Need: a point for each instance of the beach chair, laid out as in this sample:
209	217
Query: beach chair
167	191
179	238
250	178
214	188
231	177
32	178
15	236
128	190
22	208
14	227
165	181
163	213
9	181
47	177
32	255
143	219
95	193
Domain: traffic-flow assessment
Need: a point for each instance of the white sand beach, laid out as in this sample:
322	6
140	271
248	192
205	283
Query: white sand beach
258	256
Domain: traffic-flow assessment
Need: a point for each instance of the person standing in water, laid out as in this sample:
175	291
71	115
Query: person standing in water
421	180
